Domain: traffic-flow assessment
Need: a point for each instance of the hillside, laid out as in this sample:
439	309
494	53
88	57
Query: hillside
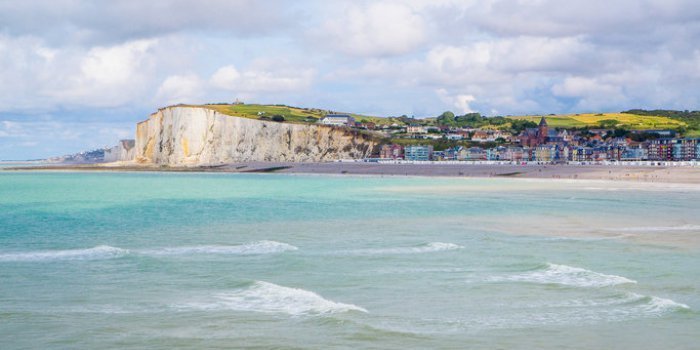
631	120
608	120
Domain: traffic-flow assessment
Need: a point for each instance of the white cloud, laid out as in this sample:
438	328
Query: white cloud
263	77
226	77
459	101
374	29
176	89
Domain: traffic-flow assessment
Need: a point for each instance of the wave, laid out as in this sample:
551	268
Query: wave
96	253
103	252
565	275
687	227
423	248
268	297
253	248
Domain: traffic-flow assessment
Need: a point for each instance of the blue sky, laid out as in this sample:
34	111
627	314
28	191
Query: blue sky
77	75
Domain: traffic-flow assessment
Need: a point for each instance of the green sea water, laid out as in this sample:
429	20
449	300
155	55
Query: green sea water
165	260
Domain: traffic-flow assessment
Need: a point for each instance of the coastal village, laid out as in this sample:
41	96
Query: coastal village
534	144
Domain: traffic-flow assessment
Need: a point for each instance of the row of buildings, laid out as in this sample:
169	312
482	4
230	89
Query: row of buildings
655	150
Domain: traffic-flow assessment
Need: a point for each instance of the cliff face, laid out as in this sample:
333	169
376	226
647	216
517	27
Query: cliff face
123	151
191	136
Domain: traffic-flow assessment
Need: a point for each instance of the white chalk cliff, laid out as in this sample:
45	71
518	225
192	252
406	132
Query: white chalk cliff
193	136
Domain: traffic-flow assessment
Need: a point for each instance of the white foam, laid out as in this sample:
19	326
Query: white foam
95	253
661	305
687	227
253	248
268	297
566	275
424	248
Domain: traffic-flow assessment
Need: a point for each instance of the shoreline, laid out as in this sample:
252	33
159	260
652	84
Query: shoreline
638	174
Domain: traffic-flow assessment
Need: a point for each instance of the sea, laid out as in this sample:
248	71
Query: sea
119	260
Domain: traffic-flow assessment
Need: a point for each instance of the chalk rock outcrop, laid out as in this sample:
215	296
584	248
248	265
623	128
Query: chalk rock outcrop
193	136
123	151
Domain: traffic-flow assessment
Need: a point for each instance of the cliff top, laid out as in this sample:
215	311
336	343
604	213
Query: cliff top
297	115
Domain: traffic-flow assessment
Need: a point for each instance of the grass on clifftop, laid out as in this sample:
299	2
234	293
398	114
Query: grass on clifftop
591	120
290	114
620	120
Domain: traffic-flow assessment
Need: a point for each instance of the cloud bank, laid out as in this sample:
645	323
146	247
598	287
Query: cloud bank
77	62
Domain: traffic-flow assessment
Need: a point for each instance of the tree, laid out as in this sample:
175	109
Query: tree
446	118
277	118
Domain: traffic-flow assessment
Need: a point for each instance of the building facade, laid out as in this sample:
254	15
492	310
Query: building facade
418	152
338	120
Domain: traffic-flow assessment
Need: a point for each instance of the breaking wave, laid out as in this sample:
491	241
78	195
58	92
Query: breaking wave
268	297
423	248
103	252
565	275
96	253
253	248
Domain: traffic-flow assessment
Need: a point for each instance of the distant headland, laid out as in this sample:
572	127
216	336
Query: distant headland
217	136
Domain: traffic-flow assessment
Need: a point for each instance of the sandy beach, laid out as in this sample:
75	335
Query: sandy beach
655	174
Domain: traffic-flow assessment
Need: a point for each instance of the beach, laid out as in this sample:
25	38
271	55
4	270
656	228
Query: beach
648	174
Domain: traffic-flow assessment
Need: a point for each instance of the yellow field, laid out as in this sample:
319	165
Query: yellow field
628	121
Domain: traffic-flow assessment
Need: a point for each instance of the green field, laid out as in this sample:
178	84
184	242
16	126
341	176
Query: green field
600	120
624	120
290	114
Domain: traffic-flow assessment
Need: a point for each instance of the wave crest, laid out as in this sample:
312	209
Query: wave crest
253	248
268	297
566	275
96	253
423	248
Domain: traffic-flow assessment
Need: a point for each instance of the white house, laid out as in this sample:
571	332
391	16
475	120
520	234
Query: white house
338	120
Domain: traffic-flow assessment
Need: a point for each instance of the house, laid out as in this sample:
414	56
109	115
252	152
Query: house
481	136
391	152
338	120
472	153
546	153
418	152
416	129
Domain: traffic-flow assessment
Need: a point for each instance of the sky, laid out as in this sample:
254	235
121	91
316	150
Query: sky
77	74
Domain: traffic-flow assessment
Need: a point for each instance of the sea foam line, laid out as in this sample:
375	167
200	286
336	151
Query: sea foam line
423	248
253	248
266	297
95	253
565	275
103	252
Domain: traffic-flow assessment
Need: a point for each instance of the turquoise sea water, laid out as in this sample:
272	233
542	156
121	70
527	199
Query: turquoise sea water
162	261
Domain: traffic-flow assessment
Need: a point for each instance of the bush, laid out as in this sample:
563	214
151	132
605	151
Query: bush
277	118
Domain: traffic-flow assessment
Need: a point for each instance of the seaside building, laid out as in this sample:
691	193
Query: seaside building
634	154
418	152
391	152
660	149
684	149
533	137
546	153
338	120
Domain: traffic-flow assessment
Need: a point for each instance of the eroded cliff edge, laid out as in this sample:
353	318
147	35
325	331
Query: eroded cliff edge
193	136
